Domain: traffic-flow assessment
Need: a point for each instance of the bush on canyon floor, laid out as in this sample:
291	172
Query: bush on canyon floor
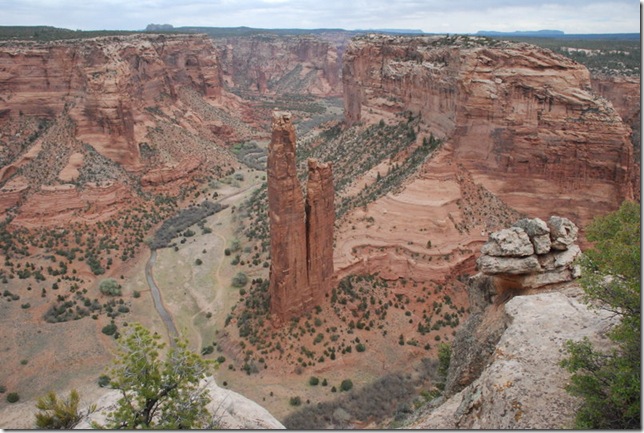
110	286
13	397
609	380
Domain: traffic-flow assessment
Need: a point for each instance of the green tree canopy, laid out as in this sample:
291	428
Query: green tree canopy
160	392
55	413
608	380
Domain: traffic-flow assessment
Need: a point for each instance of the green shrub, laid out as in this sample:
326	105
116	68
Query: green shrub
295	401
198	262
608	379
240	280
13	397
110	286
103	380
360	347
346	385
109	329
313	381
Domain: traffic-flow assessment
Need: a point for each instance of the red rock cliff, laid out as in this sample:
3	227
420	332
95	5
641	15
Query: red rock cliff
279	64
301	237
521	119
109	109
106	83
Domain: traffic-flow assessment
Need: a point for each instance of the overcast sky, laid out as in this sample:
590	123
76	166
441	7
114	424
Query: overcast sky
432	16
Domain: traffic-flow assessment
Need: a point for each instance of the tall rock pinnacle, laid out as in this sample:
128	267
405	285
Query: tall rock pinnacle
320	218
301	240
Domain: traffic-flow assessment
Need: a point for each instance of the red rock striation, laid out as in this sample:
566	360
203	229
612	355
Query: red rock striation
281	64
521	119
301	237
110	109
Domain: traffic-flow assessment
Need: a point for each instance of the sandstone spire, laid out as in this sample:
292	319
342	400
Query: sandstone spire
288	275
301	240
320	218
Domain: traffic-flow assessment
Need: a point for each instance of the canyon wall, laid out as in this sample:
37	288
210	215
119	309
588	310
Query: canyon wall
512	112
281	64
110	109
301	236
523	134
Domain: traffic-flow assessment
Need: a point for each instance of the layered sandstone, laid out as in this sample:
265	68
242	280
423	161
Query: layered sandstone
105	84
289	285
301	237
512	112
115	110
320	219
522	134
281	64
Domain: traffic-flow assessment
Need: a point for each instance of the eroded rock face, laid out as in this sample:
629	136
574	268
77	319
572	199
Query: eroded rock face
521	384
282	64
109	110
301	237
550	261
320	219
289	284
521	120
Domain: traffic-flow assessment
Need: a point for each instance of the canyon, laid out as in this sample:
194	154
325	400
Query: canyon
418	151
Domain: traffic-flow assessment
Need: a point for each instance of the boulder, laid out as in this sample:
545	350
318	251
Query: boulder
563	232
511	242
493	265
538	232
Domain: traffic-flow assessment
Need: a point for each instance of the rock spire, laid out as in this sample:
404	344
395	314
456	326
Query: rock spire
301	235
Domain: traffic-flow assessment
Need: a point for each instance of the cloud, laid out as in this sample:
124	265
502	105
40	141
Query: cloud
462	16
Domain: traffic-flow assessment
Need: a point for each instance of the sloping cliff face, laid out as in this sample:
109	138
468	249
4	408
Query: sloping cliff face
522	134
108	110
273	64
522	385
522	120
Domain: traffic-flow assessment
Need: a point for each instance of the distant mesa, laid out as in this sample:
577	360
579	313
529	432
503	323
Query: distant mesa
159	27
540	33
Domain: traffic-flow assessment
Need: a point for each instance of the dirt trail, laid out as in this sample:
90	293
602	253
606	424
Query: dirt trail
204	305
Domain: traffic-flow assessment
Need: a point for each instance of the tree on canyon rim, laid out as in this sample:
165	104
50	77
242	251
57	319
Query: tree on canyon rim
609	380
158	393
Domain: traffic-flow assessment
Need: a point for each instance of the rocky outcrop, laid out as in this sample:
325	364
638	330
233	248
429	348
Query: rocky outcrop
320	219
105	84
520	119
118	109
531	254
229	409
289	285
281	64
521	385
301	238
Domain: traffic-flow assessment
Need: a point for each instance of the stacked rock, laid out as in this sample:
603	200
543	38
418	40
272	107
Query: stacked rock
532	253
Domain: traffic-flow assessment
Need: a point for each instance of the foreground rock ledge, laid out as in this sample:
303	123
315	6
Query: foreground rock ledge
523	386
232	410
